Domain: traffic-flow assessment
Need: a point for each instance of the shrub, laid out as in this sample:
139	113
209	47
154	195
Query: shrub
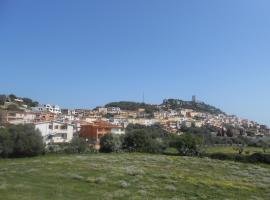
141	141
6	143
13	107
20	141
254	158
157	145
111	143
222	156
247	152
259	158
154	131
186	144
77	145
55	148
136	140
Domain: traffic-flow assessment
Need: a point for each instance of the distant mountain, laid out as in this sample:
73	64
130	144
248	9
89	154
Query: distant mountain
196	106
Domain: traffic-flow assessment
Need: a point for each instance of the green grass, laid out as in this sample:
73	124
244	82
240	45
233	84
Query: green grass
231	150
131	176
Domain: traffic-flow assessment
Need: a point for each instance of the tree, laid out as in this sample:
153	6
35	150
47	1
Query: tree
152	139
136	140
264	145
110	143
13	107
27	140
12	97
154	131
6	143
78	145
143	141
186	144
29	102
20	141
229	132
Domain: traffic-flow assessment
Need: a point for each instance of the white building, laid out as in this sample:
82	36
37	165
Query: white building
56	132
142	121
113	110
118	131
69	117
102	110
48	108
119	122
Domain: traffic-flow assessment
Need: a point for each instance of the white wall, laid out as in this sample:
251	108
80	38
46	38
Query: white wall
56	133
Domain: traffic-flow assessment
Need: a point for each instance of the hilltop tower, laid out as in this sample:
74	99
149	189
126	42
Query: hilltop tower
194	99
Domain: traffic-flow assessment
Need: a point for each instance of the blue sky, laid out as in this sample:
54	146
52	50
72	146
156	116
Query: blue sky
87	53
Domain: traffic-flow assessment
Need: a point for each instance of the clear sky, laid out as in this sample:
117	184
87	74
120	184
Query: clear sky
83	54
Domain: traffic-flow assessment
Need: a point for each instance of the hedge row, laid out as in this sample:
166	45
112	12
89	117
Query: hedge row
254	158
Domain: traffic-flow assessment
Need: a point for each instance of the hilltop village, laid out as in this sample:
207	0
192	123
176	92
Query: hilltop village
60	125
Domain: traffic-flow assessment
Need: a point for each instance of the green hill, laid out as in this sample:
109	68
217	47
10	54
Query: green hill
168	103
197	106
133	106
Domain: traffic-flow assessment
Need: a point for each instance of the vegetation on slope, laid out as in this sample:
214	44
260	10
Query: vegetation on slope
12	99
133	106
169	104
196	106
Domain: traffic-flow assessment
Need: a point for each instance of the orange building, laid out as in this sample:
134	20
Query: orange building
94	131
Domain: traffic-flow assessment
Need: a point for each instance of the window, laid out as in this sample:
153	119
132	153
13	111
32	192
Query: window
50	126
12	114
64	135
56	127
63	127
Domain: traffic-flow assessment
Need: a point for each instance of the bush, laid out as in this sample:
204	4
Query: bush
141	141
77	145
20	141
222	156
259	158
186	144
55	148
6	143
136	140
13	107
157	145
110	143
154	131
254	158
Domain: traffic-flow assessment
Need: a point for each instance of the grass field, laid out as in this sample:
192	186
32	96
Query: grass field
131	176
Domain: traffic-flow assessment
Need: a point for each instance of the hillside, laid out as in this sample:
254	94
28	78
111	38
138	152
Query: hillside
132	106
12	102
131	176
197	106
168	103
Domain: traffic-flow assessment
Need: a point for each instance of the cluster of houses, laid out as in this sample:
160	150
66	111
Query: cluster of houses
61	125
